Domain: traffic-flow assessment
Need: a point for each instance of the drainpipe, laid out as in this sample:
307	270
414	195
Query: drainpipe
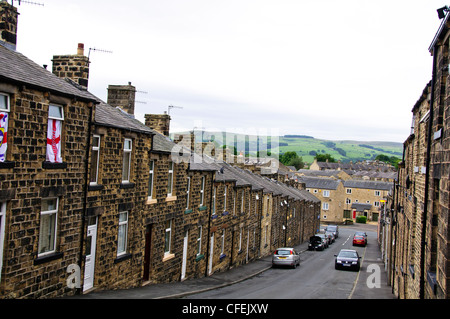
86	186
209	224
427	179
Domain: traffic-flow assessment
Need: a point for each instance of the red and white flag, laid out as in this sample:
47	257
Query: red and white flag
54	141
3	135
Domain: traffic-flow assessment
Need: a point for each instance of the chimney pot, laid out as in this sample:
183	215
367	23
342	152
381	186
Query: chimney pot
80	49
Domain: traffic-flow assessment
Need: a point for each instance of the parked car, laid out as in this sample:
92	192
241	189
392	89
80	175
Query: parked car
334	229
347	259
324	239
362	233
285	257
359	240
315	243
330	236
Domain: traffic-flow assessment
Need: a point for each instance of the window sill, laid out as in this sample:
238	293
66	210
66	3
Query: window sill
7	164
168	257
199	257
51	165
46	258
151	201
122	258
171	198
126	185
95	187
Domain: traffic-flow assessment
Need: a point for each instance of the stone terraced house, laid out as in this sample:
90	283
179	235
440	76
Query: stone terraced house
93	199
415	228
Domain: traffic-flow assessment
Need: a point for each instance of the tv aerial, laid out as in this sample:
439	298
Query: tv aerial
99	50
27	2
171	107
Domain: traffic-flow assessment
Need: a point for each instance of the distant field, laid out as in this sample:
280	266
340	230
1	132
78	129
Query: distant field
307	146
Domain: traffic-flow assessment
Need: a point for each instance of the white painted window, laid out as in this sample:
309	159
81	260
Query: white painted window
199	241
202	192
95	159
48	226
325	206
377	193
4	119
168	237
214	200
348	190
54	132
326	193
122	233
222	248
188	190
127	149
170	180
150	179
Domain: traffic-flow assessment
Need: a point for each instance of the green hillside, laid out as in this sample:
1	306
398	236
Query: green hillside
305	146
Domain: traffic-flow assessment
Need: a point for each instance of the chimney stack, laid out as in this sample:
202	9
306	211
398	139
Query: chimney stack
122	96
8	25
158	122
74	67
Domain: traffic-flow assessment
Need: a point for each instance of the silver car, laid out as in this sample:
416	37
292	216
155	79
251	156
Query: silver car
285	257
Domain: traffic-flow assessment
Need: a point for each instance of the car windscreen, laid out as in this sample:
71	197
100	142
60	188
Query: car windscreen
348	254
331	228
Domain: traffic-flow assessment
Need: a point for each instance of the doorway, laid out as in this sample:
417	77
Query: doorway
148	250
91	243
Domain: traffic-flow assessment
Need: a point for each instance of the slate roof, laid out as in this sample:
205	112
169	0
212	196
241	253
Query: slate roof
17	68
318	182
359	207
368	185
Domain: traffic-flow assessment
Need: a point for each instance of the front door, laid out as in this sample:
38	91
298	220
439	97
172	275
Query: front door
91	243
148	251
2	233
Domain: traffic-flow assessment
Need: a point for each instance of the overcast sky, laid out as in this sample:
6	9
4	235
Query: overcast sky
336	70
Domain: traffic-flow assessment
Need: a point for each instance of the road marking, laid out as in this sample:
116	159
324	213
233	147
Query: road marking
346	240
357	276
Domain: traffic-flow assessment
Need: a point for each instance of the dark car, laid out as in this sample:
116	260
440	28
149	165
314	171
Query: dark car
347	259
334	229
315	243
324	239
331	237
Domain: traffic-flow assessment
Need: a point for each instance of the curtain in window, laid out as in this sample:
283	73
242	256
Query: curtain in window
54	141
3	135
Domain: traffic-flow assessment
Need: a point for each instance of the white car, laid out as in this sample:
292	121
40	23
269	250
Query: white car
285	257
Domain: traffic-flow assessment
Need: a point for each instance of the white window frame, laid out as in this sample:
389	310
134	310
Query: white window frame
325	206
7	109
199	241
348	201
170	179
188	190
240	239
225	198
214	200
326	193
124	225
127	152
61	108
53	230
377	193
242	200
168	237
222	248
348	191
376	204
151	172
97	150
202	191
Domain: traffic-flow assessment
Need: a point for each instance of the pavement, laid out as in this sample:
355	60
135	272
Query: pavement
187	287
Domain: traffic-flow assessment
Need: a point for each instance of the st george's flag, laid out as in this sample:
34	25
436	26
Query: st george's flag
3	135
54	141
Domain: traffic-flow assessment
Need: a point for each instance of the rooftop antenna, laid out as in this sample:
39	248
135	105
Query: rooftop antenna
99	50
143	92
27	2
171	107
